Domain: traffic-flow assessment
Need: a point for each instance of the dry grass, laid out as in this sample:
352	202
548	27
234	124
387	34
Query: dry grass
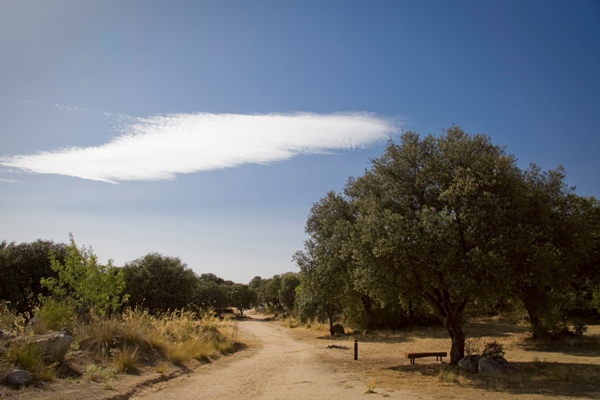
560	369
127	359
134	343
26	356
178	336
181	337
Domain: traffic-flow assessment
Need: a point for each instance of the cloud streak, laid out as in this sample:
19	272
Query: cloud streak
161	147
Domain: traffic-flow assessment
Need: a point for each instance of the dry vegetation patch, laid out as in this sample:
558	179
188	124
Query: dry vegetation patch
111	357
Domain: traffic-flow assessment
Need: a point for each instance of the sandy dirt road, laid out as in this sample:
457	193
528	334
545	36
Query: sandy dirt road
279	367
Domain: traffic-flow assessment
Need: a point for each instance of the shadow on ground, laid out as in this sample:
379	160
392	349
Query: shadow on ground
580	346
550	379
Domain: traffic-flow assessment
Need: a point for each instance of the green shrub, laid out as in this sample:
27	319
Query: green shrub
93	287
55	314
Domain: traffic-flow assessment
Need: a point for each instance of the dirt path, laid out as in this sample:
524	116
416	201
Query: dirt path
280	367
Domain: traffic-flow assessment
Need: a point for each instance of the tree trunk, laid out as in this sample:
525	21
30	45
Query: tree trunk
450	313
535	302
457	351
538	328
330	316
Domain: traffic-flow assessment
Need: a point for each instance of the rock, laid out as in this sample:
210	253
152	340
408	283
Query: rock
337	329
469	364
18	378
494	365
53	346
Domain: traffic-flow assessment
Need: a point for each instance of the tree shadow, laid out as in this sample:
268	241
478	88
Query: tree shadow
495	329
370	338
427	368
394	336
549	379
579	346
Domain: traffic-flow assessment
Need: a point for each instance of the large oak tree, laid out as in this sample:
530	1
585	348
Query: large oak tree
431	212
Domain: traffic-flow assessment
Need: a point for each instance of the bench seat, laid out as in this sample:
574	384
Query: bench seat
438	355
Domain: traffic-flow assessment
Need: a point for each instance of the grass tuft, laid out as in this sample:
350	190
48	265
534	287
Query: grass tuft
127	359
449	375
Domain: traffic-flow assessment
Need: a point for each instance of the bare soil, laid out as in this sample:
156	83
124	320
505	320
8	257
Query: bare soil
283	363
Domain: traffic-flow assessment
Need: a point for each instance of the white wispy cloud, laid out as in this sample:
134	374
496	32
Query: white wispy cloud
160	147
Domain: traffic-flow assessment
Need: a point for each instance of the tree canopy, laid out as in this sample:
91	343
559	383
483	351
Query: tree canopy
22	267
160	283
242	297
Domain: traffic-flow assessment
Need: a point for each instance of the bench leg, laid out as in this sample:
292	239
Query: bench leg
412	360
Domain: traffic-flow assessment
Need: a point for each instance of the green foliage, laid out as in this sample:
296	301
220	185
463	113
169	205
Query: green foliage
268	291
326	265
160	283
287	293
93	287
211	295
551	248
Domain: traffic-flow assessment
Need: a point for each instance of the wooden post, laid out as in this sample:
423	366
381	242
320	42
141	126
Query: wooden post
355	349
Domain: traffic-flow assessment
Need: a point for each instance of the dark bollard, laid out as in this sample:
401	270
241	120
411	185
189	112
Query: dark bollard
355	349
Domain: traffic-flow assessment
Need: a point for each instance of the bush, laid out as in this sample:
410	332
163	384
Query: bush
55	314
493	349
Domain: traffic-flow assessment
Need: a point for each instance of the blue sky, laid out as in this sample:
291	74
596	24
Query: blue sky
206	129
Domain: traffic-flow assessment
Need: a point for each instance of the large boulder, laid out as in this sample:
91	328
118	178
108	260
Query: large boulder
53	346
18	378
469	364
337	329
494	365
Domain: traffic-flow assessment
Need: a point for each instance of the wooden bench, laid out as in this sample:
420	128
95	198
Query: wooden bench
438	355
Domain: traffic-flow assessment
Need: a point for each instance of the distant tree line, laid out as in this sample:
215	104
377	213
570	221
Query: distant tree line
449	225
31	273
